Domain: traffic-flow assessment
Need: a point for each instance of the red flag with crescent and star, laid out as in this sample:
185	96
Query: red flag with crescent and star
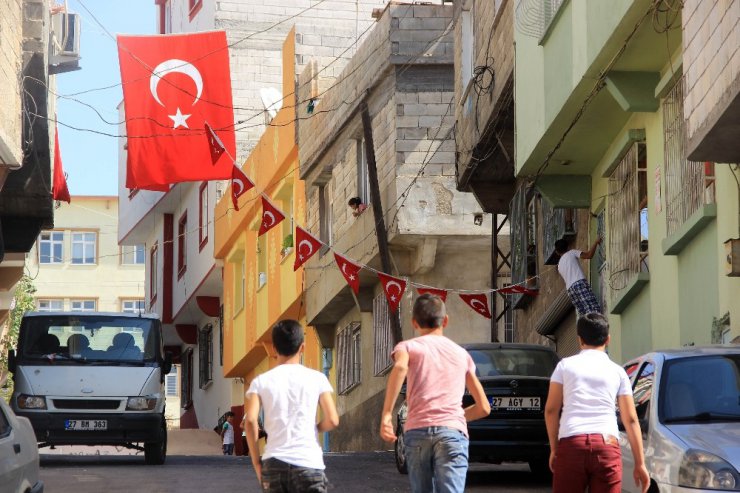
271	216
215	146
393	288
306	245
442	293
350	271
59	190
240	184
518	289
172	85
478	302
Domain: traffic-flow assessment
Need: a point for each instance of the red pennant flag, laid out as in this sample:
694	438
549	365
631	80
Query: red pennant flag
518	289
394	288
305	246
215	145
271	216
350	271
442	293
240	184
59	190
171	86
478	302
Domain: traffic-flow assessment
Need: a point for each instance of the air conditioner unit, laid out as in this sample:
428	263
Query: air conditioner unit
64	43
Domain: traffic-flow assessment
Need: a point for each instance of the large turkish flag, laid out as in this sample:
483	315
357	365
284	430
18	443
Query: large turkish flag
172	86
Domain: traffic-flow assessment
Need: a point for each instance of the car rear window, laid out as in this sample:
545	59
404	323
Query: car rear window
513	361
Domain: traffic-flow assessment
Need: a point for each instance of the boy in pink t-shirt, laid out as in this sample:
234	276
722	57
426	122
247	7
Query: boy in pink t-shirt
437	372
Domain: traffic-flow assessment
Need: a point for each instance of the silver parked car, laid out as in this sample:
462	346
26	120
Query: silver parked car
19	455
688	403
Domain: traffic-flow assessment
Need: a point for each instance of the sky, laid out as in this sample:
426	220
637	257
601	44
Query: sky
91	160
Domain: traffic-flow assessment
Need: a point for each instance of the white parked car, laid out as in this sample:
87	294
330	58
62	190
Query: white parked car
688	404
19	455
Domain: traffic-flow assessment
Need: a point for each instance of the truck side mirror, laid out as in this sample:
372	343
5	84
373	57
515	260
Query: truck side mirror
167	363
11	361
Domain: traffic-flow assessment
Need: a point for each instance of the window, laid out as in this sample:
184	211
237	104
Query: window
467	56
83	248
182	254
133	306
205	353
50	305
326	216
133	254
363	177
83	305
383	334
186	379
628	243
221	335
688	184
643	391
194	7
51	247
165	16
557	223
349	350
261	261
203	216
170	383
598	269
508	316
153	269
524	241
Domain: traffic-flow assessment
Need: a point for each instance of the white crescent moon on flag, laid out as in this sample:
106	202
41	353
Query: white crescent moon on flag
344	271
392	283
310	246
174	65
237	182
272	219
482	308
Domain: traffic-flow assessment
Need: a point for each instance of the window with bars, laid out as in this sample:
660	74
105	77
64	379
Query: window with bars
557	224
523	210
205	355
599	269
688	184
383	334
50	305
348	351
628	232
363	177
508	319
133	254
83	248
186	378
51	247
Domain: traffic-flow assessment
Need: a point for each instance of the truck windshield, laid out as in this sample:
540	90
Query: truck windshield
87	339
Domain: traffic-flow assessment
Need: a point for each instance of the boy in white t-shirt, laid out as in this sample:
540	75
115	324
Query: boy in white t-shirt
227	433
289	395
569	268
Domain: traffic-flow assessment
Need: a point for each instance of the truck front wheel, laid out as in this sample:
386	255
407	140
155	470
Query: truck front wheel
156	452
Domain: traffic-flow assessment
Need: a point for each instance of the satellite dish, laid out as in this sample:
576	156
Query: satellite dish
272	100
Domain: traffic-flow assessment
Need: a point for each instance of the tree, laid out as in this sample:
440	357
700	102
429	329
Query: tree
23	301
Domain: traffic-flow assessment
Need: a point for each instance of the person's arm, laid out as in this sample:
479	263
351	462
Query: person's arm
395	381
482	407
634	435
330	418
552	417
251	413
590	253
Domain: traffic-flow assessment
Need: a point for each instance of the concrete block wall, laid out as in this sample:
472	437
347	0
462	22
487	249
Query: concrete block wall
493	35
11	39
711	58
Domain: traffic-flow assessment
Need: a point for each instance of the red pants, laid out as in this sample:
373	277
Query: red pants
587	461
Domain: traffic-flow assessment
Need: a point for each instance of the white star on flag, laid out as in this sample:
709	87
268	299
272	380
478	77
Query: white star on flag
179	119
393	298
351	278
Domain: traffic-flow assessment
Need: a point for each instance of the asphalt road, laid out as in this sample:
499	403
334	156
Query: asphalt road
355	472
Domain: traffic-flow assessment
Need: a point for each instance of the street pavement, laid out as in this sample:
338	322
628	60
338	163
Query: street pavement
349	472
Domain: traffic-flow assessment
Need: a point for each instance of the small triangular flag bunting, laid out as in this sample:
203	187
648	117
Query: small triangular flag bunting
306	245
215	145
271	216
478	302
393	288
240	185
350	271
518	289
442	293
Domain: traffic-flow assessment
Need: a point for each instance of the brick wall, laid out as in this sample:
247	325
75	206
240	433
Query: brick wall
711	58
11	39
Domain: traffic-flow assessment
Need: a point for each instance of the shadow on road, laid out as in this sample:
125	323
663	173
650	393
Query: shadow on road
94	460
505	474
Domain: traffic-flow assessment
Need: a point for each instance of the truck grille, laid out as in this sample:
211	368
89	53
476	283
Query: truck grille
86	404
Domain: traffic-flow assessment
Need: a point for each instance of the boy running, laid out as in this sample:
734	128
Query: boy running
438	371
289	395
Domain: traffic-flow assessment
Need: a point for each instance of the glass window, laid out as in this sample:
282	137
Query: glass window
529	362
83	305
643	390
203	215
205	353
50	305
133	306
383	332
153	269
349	352
51	247
133	254
182	254
83	247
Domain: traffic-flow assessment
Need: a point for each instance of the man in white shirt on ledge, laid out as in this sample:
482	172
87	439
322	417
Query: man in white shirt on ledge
569	267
